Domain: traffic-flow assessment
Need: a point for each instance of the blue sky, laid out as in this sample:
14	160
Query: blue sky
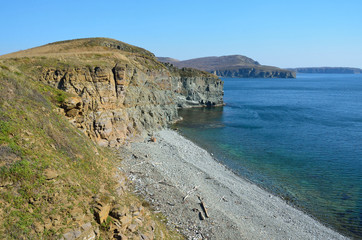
280	33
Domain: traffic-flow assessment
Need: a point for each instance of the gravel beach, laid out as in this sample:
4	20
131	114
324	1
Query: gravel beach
182	180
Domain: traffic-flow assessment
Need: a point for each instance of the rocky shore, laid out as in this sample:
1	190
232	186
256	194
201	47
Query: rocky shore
204	200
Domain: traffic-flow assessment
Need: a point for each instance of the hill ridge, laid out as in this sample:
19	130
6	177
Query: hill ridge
81	45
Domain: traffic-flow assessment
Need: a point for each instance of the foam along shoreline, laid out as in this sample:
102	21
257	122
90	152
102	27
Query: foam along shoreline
173	174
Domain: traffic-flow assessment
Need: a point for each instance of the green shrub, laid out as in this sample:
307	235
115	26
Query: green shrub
60	97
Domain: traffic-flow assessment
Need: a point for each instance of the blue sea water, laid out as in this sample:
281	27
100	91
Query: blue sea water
298	138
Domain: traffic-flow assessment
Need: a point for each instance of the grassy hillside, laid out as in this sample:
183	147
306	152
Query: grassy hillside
87	52
84	45
54	179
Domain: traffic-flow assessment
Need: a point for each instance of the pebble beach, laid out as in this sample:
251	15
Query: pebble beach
203	199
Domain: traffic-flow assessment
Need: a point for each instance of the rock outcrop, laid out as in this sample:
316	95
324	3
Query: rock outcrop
113	105
120	91
196	88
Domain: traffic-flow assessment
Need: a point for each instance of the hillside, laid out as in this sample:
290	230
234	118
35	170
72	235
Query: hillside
59	104
232	66
327	70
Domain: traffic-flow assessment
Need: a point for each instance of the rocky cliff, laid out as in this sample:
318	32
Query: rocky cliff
232	66
116	91
55	182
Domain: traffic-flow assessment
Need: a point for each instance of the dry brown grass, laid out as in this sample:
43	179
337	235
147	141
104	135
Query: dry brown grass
79	46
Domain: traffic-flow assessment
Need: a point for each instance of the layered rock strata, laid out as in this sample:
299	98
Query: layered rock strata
116	91
114	104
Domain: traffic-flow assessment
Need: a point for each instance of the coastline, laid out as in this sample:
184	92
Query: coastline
173	174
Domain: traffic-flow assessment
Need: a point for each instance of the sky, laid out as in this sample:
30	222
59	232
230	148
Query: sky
308	33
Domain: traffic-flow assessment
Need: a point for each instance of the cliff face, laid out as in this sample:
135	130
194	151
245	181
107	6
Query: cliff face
112	105
196	88
118	97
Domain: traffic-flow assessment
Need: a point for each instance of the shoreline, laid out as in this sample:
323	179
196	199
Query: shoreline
173	174
292	204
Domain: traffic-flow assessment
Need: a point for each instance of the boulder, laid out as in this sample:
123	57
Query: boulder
86	232
72	102
126	221
101	212
118	211
132	227
50	174
72	113
39	228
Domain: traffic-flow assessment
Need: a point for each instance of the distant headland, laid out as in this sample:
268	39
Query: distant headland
231	66
347	70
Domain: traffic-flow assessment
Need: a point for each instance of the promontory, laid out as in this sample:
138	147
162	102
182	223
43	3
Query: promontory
232	66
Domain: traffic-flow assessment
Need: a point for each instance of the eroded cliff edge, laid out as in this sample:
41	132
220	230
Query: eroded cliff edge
116	91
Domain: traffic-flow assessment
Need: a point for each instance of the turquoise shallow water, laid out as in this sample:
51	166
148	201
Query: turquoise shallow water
299	138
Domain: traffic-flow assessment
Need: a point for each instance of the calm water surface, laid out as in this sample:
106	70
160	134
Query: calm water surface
299	138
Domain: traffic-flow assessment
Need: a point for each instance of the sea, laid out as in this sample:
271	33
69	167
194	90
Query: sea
300	139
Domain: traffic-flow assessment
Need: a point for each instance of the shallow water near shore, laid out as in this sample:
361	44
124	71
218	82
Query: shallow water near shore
299	138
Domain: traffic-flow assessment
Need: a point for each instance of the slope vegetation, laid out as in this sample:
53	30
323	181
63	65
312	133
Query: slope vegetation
78	46
53	177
